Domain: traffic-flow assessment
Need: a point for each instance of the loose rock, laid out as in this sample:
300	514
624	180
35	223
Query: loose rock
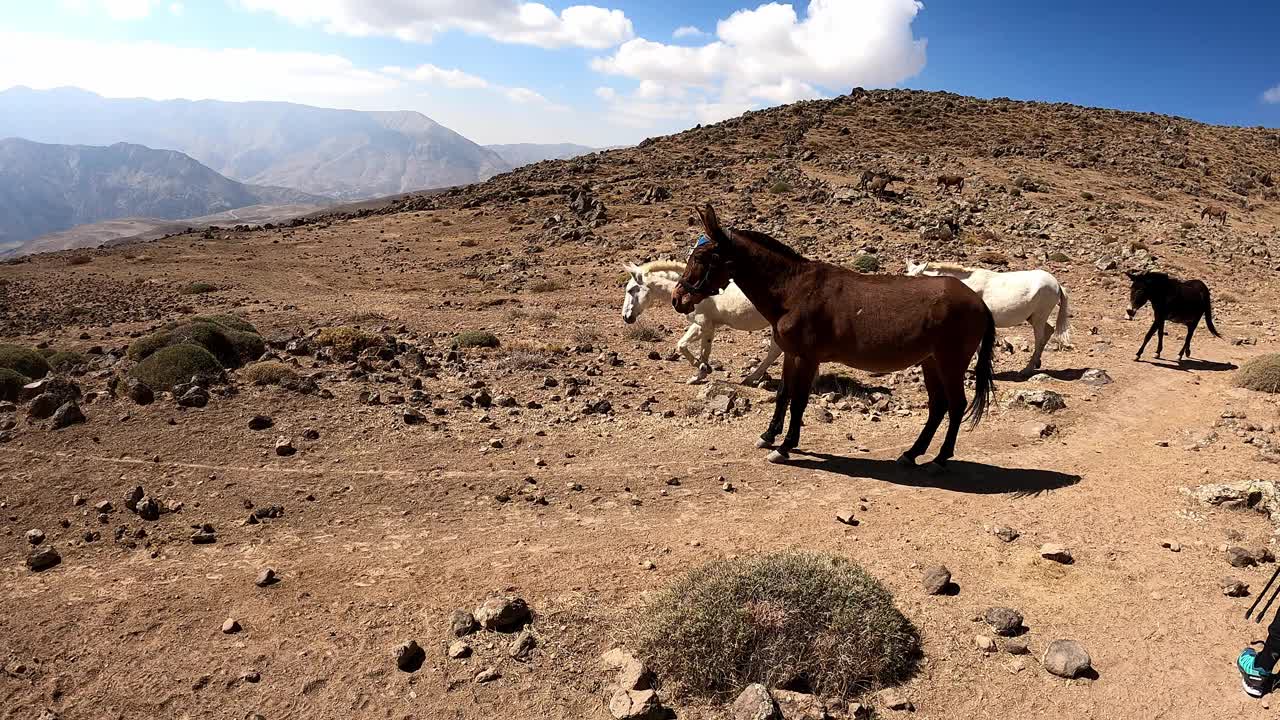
487	675
937	580
1067	658
502	613
35	536
67	415
409	656
461	623
1004	621
43	558
893	699
266	578
260	422
459	649
523	645
230	626
984	643
284	447
1231	587
1056	553
755	703
635	705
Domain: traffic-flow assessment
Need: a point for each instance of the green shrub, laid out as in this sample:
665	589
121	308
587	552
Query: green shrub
1086	195
346	339
11	382
866	263
780	187
1059	256
24	361
63	360
1261	373
228	321
269	372
197	288
476	339
776	619
540	286
230	346
169	366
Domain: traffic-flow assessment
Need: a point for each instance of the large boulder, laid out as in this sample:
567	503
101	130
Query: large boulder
502	613
1067	658
755	703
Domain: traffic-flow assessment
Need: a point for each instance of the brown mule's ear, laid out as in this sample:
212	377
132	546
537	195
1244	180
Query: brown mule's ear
1132	276
710	223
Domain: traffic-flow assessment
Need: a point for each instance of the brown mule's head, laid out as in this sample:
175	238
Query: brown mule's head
1139	293
707	271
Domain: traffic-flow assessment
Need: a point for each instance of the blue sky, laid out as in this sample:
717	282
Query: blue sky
616	72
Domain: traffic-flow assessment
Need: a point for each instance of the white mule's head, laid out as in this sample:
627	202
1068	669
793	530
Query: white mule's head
914	270
637	298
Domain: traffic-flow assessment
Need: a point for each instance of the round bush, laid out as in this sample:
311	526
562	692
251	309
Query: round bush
175	364
866	263
268	372
1261	373
231	347
24	361
197	288
228	321
784	619
63	360
11	383
347	339
476	339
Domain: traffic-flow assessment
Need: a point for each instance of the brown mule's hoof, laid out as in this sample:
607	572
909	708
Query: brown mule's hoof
778	458
762	443
906	461
935	469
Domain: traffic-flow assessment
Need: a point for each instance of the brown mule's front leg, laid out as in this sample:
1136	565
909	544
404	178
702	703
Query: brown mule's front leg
937	410
1147	339
779	409
800	380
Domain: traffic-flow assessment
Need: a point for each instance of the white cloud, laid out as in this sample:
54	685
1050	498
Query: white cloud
177	8
606	93
509	21
769	55
116	9
1272	95
687	31
433	75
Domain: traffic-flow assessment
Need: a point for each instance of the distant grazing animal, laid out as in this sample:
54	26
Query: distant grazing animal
1215	212
1182	301
951	181
866	177
880	183
657	280
825	313
1014	298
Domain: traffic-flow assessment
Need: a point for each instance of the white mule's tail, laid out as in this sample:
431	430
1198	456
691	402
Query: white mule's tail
1062	331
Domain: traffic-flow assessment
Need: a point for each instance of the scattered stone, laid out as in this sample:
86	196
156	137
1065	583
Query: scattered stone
104	507
984	643
43	406
633	674
260	422
893	699
68	414
635	705
1003	621
230	626
1038	430
799	706
148	509
204	536
310	434
1046	400
43	558
459	649
461	623
1016	646
858	711
1096	377
409	656
266	578
1056	553
1231	587
139	392
487	675
284	446
523	645
1067	658
1238	557
937	580
1005	533
35	536
413	417
132	498
502	613
755	703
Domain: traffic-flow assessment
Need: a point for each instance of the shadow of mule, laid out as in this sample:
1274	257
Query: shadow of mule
1188	365
1066	375
961	476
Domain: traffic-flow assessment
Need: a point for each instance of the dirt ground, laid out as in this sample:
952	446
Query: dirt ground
389	527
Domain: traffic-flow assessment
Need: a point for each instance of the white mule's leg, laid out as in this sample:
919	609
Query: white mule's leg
683	345
704	368
1040	326
769	358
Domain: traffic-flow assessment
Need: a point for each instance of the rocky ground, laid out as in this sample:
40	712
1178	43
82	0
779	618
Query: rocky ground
571	466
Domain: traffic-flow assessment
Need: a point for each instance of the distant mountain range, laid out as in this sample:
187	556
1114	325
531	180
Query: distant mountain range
47	188
519	154
343	154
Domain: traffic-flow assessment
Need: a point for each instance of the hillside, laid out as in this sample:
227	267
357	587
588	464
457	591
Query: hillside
336	153
520	154
407	466
48	188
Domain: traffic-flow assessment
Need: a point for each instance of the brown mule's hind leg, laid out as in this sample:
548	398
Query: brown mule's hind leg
937	409
1186	345
800	380
957	402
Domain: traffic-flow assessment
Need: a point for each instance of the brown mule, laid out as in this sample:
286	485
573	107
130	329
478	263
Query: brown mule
825	313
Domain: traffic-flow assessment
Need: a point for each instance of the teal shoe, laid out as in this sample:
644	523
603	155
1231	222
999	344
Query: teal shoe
1257	682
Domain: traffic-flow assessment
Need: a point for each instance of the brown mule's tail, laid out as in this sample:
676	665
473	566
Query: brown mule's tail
986	380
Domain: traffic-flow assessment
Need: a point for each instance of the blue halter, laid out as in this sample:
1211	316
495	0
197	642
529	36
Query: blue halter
702	240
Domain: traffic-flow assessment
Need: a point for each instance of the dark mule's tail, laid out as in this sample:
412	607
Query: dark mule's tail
986	380
1208	316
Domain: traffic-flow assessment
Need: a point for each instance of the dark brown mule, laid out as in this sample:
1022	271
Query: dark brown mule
951	181
1180	301
825	313
1215	212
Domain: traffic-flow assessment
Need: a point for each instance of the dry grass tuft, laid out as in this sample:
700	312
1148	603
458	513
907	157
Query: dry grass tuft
1261	373
346	339
640	332
475	339
786	619
268	372
197	288
545	285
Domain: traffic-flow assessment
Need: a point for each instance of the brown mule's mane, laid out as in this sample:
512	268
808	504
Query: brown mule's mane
768	243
